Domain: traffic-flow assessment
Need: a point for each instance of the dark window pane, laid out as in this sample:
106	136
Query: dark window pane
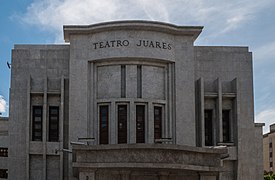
123	81
4	152
37	126
103	124
37	123
208	127
157	122
139	81
140	124
37	119
122	124
226	125
37	110
53	123
4	173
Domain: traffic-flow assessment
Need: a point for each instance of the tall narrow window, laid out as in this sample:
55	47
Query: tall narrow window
139	81
140	124
103	124
157	122
53	123
122	124
226	125
37	123
208	127
123	81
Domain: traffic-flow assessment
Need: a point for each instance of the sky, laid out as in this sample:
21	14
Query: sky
226	23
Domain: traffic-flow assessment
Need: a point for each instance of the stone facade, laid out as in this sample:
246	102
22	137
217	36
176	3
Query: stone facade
268	149
132	100
4	147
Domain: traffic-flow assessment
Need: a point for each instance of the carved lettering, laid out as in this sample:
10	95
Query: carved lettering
95	45
158	44
125	43
139	43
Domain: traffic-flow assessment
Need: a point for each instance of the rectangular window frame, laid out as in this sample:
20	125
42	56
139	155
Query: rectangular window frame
209	142
139	81
4	152
160	135
121	140
123	81
105	139
228	138
35	123
4	173
141	138
53	135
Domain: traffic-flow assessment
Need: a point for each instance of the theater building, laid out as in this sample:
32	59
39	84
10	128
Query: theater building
268	149
132	100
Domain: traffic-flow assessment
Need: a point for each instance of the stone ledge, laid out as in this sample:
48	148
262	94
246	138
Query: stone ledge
150	156
146	165
132	25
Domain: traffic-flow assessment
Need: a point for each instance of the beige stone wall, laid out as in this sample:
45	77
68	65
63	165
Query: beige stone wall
267	140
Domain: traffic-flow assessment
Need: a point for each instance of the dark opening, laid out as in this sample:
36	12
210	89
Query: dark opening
122	124
208	127
139	81
123	81
4	173
157	122
4	152
37	123
226	125
103	124
53	123
140	124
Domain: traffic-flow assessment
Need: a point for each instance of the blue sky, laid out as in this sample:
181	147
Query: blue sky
235	22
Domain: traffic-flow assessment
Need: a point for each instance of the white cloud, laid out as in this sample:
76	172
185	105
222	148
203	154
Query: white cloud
265	52
3	104
219	16
154	9
268	117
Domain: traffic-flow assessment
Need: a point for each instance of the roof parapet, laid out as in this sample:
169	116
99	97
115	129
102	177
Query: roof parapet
132	25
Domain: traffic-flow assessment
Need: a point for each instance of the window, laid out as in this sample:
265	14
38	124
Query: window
53	123
226	125
157	122
270	145
140	124
4	152
37	123
139	81
270	154
122	124
4	173
208	124
103	124
270	164
123	81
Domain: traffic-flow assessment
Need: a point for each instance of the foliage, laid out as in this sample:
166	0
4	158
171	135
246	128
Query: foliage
269	175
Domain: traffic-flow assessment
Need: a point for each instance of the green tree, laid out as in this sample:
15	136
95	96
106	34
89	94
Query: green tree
269	175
